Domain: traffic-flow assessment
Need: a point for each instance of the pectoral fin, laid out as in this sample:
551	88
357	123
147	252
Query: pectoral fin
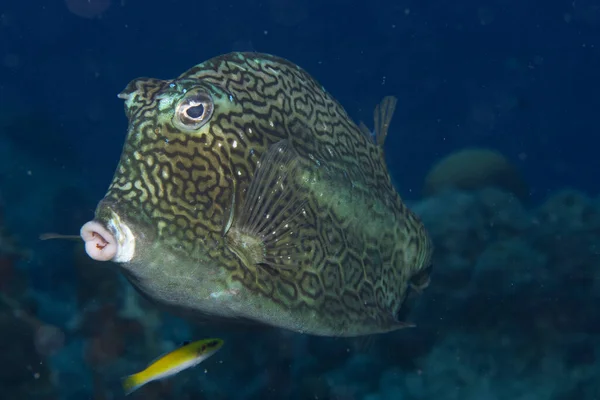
268	227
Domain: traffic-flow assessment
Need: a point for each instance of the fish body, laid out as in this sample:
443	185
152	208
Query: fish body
172	363
244	191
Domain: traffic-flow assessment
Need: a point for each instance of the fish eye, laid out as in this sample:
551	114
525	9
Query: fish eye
193	111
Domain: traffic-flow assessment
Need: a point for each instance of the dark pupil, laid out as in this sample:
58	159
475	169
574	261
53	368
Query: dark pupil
195	112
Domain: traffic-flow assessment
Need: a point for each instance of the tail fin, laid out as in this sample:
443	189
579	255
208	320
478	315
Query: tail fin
131	383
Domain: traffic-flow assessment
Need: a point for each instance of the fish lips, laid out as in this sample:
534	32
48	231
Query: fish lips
108	237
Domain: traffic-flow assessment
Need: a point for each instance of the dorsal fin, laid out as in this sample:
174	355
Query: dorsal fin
365	130
382	116
266	230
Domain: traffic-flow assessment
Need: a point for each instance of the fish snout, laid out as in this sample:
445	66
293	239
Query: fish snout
100	244
111	242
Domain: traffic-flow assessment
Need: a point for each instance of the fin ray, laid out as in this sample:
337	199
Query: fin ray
382	116
365	130
266	230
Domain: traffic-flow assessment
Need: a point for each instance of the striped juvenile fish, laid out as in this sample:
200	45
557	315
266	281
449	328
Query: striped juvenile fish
172	363
245	192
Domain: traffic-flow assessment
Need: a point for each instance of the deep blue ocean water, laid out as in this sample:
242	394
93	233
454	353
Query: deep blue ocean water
510	311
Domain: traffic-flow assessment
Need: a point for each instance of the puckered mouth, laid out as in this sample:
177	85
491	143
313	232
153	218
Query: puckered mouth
110	241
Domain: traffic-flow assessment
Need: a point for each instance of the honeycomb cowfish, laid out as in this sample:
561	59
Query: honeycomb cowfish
245	192
187	356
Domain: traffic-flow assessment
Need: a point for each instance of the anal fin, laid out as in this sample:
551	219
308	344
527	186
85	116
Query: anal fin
267	228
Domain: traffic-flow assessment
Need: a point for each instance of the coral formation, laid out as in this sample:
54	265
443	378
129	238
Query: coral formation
509	313
26	342
474	168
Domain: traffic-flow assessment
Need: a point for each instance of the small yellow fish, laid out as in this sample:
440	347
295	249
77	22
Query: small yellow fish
171	363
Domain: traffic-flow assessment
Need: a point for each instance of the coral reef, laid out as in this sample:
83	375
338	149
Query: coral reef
26	342
474	168
511	301
509	313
